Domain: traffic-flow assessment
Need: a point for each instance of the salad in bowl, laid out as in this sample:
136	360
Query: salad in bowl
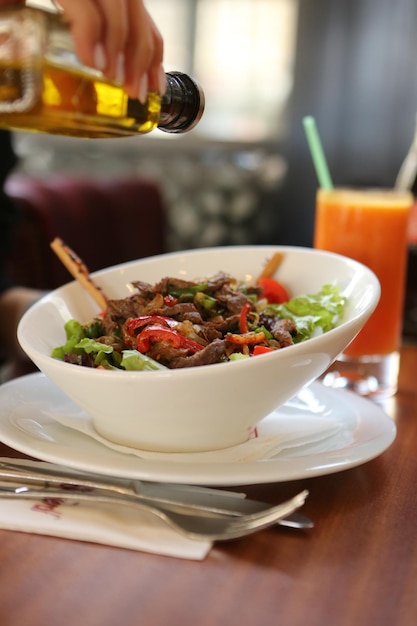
265	352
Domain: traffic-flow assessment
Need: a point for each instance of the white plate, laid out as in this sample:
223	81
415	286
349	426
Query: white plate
321	431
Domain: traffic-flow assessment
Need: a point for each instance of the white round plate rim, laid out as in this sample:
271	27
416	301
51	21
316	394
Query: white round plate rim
373	432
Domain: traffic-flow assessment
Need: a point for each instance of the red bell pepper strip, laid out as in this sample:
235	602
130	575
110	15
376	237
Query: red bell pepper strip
243	319
170	300
246	339
273	291
137	322
192	346
258	349
155	333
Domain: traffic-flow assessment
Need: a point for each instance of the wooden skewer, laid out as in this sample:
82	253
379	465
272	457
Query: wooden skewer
79	271
271	265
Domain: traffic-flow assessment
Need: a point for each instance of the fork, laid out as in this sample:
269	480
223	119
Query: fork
197	527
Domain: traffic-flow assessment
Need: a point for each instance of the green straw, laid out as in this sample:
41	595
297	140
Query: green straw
316	149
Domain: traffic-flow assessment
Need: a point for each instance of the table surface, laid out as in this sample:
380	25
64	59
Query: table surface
357	567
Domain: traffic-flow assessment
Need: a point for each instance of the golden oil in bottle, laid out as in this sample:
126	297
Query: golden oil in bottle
45	88
71	102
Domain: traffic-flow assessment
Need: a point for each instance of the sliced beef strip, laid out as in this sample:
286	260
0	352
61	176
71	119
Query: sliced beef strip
168	284
283	330
225	325
145	290
118	311
181	311
215	352
232	301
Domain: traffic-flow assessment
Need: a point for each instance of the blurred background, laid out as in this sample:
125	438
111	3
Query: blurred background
244	175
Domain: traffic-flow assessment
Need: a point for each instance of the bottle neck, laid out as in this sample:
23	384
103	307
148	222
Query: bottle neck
182	105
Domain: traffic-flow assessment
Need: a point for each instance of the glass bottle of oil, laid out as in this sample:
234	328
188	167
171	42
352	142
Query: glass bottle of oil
45	88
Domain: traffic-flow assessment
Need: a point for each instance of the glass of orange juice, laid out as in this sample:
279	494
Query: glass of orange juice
370	226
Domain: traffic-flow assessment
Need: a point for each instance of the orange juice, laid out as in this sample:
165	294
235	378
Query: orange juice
370	226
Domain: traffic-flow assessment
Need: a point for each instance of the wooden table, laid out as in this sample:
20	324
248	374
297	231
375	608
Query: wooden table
358	567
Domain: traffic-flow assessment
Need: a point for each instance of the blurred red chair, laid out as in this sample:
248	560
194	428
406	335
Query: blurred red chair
106	222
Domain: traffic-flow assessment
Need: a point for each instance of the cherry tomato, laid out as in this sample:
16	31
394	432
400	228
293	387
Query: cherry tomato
273	291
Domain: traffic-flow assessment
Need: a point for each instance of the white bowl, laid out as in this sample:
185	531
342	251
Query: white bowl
207	407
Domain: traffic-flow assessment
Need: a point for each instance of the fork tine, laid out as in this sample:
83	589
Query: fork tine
224	529
245	525
274	512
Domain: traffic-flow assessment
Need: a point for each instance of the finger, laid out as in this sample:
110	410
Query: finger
156	72
114	36
86	23
120	39
144	53
100	30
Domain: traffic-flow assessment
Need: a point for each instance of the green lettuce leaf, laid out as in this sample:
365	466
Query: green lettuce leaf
313	314
74	333
133	360
100	350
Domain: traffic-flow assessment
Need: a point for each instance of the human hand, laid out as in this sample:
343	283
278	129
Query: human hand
119	38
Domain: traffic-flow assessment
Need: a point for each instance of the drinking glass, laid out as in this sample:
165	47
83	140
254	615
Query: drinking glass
370	226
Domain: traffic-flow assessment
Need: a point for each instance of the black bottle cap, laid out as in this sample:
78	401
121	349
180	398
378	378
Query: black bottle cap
182	105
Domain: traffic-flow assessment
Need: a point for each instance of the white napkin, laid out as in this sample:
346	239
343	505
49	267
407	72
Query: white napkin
120	526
